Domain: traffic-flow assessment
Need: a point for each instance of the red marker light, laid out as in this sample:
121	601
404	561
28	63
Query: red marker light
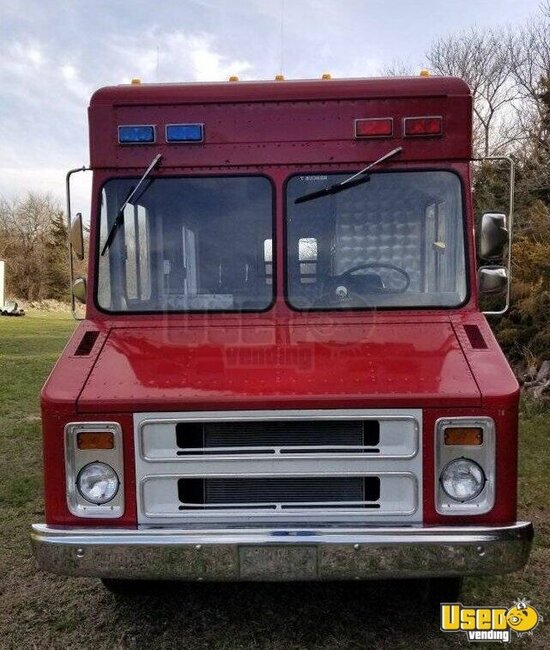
414	126
376	127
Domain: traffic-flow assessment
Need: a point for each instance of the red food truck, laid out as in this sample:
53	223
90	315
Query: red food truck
283	372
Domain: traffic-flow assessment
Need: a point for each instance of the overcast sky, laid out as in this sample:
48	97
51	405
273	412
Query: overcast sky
55	53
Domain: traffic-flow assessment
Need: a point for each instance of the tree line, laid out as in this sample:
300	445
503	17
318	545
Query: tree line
33	244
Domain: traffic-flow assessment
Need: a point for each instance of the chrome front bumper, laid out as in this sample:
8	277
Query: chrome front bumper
289	554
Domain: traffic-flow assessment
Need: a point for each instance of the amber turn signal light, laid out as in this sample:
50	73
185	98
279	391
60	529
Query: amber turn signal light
463	436
95	440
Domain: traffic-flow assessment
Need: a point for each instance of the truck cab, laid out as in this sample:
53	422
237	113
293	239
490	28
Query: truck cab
283	372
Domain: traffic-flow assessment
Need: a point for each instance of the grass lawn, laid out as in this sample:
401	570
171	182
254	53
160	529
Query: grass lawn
38	610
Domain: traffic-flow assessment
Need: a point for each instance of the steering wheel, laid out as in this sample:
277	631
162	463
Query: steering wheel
378	265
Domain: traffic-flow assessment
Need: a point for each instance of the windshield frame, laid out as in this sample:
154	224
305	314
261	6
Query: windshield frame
182	312
392	308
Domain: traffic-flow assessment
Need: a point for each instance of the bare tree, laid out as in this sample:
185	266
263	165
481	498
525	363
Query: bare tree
482	59
28	230
530	69
398	68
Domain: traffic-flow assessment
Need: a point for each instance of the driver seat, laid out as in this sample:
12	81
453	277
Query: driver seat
384	230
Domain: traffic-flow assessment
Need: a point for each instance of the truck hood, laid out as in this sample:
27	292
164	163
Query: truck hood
296	366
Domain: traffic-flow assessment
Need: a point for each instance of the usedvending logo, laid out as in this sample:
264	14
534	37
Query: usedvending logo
482	624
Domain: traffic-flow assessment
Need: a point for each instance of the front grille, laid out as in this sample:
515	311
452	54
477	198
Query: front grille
250	467
282	437
279	493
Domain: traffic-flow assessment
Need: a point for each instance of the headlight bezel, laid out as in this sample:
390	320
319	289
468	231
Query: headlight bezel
77	459
482	454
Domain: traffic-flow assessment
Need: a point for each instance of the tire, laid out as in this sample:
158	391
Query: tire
441	590
128	587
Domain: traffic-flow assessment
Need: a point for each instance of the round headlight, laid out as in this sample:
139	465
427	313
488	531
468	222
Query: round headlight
462	479
97	483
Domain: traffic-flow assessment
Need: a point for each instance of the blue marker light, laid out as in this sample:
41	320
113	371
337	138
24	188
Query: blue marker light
136	134
184	132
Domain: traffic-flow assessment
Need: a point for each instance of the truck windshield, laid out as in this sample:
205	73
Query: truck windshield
188	244
395	241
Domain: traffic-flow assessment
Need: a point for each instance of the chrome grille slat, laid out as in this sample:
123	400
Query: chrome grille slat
333	505
278	437
278	493
295	449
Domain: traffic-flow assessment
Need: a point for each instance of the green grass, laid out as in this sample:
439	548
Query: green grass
38	610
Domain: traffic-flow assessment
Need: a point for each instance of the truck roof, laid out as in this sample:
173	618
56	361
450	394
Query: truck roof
291	90
254	123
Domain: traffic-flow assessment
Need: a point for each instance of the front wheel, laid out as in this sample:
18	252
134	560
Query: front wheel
129	587
441	590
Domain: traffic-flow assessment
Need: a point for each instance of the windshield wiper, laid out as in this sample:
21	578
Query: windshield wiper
358	178
119	220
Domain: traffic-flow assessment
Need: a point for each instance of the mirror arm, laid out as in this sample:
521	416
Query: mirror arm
510	225
69	224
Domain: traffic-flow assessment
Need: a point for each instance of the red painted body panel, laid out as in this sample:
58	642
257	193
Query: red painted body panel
283	124
291	90
282	358
363	366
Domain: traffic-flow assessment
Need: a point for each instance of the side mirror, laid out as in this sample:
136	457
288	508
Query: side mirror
493	280
79	290
494	235
77	236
